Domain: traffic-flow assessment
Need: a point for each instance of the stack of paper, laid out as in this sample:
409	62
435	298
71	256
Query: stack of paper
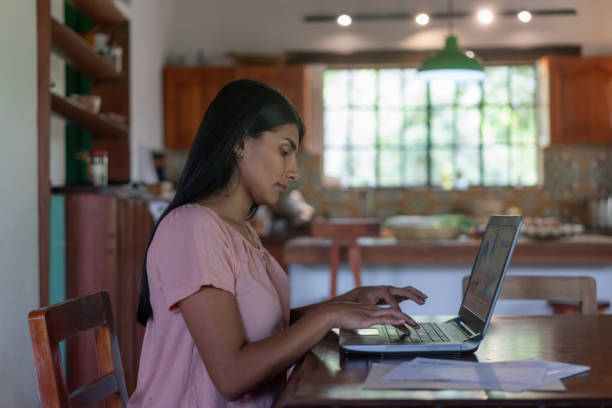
513	376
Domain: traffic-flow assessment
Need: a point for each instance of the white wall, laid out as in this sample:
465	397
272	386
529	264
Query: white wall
441	283
18	170
18	201
149	33
274	26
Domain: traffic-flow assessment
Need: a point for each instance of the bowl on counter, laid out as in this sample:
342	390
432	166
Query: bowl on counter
427	227
549	228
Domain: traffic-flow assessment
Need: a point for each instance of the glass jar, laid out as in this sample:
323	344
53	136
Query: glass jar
98	167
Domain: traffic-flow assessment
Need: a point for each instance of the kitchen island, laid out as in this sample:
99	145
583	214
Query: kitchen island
437	267
578	249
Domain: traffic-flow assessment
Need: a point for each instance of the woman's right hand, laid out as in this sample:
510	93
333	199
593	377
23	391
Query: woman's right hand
352	316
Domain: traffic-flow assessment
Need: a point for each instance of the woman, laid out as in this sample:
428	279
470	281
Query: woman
219	332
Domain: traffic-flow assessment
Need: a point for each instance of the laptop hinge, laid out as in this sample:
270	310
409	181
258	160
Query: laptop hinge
466	329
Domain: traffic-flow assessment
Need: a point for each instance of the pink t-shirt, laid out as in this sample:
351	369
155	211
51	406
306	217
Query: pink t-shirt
194	247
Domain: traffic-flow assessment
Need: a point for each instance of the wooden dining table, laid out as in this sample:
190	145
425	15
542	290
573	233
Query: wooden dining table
328	377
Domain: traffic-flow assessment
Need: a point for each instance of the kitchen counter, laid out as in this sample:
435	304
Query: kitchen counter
579	249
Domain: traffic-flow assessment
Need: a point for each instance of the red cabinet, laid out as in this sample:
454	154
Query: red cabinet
106	239
576	99
189	90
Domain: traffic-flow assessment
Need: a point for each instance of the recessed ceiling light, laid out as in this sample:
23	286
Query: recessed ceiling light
485	16
344	20
524	16
422	19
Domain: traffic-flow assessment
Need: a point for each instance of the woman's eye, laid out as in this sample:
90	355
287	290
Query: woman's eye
284	152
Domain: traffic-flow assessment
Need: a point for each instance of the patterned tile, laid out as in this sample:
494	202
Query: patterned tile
572	174
561	174
600	173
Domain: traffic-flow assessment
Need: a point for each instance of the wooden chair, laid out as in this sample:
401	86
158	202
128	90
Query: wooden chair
52	324
578	288
344	232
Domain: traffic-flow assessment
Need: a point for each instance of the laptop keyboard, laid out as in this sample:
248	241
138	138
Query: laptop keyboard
427	333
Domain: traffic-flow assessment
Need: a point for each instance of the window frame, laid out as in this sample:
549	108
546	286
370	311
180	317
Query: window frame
332	183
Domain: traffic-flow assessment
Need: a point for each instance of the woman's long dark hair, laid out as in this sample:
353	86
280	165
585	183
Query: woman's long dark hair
242	108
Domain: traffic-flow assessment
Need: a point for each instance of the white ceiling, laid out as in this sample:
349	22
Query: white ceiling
275	26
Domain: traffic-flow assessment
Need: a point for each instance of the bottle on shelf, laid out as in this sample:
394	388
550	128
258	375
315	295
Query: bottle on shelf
98	167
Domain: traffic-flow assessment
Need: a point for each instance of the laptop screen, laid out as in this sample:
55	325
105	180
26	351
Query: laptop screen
488	269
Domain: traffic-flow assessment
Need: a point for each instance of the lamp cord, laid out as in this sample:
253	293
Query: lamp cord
450	17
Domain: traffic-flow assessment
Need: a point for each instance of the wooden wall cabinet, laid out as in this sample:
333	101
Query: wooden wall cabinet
189	90
575	99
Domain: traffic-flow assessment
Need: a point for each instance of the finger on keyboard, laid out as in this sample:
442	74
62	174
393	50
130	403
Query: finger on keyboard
403	328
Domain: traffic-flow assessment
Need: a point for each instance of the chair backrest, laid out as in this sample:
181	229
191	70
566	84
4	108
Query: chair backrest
52	324
580	288
345	230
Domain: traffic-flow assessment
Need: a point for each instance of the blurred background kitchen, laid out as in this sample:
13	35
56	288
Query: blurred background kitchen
101	101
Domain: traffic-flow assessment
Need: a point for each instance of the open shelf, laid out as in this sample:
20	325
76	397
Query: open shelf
103	11
96	124
111	17
80	54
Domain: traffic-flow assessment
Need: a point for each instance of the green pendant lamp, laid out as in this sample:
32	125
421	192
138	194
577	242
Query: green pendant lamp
451	63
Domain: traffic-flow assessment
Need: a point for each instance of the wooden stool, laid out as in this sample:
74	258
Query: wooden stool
344	232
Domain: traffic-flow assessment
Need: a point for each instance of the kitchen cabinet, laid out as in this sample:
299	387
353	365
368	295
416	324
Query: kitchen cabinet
575	99
187	93
292	80
106	241
189	90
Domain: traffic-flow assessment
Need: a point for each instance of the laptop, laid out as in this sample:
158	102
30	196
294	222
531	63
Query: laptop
464	332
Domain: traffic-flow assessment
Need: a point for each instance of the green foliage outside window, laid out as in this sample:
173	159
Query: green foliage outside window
388	128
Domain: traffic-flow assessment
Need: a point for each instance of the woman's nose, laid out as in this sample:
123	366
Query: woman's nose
293	173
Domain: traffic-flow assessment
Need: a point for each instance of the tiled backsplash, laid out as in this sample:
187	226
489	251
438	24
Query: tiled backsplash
572	174
575	173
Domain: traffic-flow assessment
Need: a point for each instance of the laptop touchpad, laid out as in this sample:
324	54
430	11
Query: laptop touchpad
362	332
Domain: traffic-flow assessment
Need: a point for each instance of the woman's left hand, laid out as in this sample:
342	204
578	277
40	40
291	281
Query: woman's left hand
381	295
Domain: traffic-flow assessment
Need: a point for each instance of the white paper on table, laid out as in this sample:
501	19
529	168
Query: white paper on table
374	381
505	376
557	371
554	369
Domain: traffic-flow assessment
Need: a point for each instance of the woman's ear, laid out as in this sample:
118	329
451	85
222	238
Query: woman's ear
239	150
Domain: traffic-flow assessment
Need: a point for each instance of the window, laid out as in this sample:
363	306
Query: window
388	128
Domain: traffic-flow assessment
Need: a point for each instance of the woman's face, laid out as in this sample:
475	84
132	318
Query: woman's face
269	164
